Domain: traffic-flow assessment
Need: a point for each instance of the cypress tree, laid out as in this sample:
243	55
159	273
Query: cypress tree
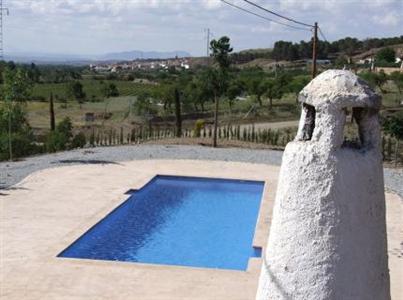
52	113
121	136
178	116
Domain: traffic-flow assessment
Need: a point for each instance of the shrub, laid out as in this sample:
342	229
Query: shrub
65	127
386	54
56	141
21	133
60	138
21	145
79	141
199	125
393	125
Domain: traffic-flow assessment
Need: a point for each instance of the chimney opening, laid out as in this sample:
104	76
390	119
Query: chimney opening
309	122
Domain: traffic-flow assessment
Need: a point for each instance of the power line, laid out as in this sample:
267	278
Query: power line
278	15
314	28
322	35
263	17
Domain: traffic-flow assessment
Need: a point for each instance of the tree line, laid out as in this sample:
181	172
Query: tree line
285	50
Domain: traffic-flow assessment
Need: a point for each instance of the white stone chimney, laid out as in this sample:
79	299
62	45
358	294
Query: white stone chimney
328	232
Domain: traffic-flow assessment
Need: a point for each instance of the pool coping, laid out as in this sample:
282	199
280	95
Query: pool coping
117	195
259	237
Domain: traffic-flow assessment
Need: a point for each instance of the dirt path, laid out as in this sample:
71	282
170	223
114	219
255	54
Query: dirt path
273	125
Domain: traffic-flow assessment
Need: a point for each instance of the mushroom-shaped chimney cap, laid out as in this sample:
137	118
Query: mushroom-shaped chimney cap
339	88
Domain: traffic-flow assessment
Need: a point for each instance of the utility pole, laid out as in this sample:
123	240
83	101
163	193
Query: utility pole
314	48
2	9
208	46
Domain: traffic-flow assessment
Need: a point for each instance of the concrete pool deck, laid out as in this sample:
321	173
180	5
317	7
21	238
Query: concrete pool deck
49	209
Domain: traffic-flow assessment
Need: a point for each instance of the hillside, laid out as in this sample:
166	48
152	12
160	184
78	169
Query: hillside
398	49
302	51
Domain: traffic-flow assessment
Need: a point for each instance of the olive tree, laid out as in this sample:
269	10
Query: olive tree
15	91
394	126
75	91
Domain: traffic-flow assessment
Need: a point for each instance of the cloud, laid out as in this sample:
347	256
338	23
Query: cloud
390	19
212	4
97	26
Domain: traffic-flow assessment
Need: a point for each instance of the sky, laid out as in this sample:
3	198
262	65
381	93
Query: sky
93	27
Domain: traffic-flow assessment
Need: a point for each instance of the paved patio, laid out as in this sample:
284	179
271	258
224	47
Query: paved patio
49	209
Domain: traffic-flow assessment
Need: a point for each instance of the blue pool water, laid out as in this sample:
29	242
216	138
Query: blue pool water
184	221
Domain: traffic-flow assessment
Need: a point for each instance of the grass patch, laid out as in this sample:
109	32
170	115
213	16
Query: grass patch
92	88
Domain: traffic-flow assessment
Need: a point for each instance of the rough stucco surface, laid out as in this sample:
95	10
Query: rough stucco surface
339	88
328	234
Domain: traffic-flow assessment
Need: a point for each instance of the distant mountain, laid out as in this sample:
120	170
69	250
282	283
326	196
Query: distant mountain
136	54
27	57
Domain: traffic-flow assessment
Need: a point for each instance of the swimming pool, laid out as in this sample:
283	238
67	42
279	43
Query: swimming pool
187	221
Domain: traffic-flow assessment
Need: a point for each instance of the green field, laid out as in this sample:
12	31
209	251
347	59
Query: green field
38	112
92	88
122	115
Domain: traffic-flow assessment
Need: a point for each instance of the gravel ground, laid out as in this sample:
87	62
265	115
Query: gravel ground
12	173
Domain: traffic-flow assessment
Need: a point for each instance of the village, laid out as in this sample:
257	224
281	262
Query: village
143	64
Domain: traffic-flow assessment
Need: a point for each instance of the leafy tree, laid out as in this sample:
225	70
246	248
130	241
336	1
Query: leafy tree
233	91
386	54
257	87
192	96
166	94
375	79
55	141
16	85
341	61
201	89
65	127
55	73
109	90
348	45
75	91
397	79
60	138
33	73
221	49
394	126
79	141
273	90
297	84
16	90
144	104
285	51
15	130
